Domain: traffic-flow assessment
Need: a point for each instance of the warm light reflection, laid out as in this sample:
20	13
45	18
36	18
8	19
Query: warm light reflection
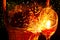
36	19
37	24
48	24
46	20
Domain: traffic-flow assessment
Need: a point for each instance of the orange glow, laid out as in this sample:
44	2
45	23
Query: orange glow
4	5
42	22
46	21
48	3
39	20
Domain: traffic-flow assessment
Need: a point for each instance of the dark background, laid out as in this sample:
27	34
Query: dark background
56	6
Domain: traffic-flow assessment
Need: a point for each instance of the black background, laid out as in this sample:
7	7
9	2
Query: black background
56	6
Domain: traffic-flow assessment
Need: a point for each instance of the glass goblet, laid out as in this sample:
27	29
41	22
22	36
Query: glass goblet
49	20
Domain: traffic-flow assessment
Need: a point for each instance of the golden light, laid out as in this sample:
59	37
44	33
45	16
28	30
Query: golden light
48	24
36	19
37	24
